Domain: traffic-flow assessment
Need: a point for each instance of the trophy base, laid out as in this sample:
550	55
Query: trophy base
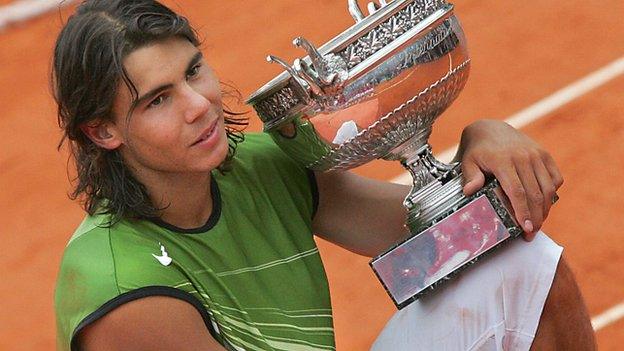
446	245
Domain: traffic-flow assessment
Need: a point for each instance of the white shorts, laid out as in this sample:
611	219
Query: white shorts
495	305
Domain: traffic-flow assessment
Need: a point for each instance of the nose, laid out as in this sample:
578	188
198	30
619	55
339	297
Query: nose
197	105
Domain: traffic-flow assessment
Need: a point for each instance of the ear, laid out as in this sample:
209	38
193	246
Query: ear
104	134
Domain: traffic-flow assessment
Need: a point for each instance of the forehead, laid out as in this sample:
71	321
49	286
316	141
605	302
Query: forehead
159	63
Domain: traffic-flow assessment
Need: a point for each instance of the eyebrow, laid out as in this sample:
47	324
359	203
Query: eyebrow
150	94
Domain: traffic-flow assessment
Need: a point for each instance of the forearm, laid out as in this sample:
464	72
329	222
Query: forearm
363	215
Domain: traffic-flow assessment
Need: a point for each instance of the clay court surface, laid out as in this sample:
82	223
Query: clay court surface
522	52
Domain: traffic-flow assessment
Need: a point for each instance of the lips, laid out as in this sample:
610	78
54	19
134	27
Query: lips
206	133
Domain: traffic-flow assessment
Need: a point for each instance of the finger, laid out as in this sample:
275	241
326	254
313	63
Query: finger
546	184
473	177
513	188
552	168
534	195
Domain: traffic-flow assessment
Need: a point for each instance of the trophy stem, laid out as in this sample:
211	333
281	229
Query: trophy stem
436	186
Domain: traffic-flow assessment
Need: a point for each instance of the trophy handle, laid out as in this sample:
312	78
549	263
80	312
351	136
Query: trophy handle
356	11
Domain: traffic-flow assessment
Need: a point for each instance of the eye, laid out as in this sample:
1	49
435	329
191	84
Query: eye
194	71
157	101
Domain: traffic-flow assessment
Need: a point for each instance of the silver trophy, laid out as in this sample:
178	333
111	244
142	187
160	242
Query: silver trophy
374	91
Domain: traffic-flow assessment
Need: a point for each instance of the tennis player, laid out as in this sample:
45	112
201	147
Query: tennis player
199	237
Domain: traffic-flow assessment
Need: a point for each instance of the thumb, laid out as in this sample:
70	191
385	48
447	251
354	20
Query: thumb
473	178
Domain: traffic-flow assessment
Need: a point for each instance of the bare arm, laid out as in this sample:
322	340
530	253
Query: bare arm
150	323
367	216
363	215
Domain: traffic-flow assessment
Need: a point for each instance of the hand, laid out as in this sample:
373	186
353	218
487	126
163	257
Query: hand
526	172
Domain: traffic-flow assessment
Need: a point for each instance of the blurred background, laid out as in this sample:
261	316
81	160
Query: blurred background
555	69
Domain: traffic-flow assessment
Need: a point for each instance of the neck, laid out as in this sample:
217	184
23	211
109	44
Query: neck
186	199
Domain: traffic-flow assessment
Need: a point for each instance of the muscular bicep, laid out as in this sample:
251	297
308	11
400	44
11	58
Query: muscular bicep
149	323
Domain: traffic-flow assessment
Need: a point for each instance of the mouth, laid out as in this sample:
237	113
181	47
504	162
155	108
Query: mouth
207	133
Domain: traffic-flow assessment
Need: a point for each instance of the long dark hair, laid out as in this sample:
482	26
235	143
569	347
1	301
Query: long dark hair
86	72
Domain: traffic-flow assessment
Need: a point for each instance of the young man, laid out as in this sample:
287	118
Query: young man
198	240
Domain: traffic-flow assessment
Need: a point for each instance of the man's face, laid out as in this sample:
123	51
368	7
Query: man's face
177	123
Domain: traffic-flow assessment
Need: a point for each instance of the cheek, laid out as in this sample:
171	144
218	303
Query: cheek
210	88
214	95
153	137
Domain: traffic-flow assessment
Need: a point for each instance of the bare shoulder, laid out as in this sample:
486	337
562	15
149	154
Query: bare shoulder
150	323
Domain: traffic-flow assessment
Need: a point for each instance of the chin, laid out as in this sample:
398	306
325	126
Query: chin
219	154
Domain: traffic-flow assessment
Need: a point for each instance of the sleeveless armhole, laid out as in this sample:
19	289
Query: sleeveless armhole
138	294
314	191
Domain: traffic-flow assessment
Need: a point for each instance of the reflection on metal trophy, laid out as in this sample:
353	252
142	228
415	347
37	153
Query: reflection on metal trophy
374	91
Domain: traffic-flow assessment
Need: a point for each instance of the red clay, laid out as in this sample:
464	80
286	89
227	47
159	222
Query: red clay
521	51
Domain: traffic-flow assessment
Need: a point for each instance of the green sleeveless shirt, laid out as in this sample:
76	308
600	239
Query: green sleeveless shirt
253	271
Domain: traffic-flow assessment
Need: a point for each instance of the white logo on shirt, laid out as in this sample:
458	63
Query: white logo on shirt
165	260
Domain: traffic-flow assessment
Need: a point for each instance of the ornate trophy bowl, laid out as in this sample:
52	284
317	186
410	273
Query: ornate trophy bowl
374	91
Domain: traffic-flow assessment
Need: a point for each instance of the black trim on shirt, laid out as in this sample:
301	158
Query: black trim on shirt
155	290
315	193
212	220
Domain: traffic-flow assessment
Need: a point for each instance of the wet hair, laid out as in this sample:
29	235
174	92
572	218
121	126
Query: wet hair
87	72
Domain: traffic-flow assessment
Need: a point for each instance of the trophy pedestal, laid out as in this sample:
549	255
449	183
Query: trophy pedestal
450	231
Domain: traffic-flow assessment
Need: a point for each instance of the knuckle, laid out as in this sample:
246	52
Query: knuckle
522	157
537	198
534	155
543	154
490	155
482	156
518	192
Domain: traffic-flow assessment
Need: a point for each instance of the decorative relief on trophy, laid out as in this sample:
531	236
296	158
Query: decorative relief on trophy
375	91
